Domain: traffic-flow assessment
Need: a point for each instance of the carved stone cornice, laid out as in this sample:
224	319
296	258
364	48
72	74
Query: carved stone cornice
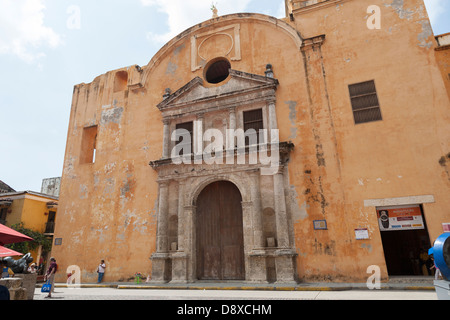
241	89
313	42
298	7
176	171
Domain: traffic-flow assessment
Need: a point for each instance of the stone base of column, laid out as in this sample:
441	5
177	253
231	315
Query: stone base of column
29	283
180	268
161	268
257	266
285	266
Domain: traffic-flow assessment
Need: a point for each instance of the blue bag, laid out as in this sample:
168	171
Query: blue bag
46	287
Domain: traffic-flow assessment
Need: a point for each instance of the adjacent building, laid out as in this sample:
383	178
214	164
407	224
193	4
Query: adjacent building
37	211
165	172
4	188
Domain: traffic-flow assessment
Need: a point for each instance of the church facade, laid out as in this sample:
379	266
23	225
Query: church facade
256	149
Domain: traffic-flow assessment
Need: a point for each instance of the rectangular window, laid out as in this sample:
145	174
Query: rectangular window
50	226
88	145
253	121
3	212
364	99
184	138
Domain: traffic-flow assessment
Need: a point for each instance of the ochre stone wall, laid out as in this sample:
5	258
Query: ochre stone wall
108	208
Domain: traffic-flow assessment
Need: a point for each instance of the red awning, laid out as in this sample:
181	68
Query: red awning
8	235
5	252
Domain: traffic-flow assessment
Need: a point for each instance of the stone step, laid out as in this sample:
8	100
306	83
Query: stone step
412	279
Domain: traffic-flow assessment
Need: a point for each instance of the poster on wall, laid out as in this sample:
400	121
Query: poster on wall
446	227
400	218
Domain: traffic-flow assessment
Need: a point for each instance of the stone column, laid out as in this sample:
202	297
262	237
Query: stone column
273	124
280	210
179	259
190	241
247	217
257	256
181	216
255	190
230	136
284	255
166	139
197	139
162	239
160	259
232	113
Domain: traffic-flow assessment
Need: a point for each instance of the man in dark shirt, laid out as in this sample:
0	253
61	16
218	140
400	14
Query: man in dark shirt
50	275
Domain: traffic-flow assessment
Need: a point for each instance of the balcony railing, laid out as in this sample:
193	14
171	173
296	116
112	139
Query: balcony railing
50	227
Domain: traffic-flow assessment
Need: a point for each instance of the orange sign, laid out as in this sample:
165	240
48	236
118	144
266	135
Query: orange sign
400	218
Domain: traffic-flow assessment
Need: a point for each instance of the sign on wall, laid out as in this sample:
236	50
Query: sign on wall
361	234
320	225
400	218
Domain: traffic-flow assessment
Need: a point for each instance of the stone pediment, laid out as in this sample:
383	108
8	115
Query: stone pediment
239	89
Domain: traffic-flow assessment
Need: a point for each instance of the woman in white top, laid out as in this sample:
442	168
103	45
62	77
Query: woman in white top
32	268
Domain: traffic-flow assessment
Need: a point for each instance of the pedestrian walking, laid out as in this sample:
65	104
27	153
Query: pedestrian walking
101	270
50	275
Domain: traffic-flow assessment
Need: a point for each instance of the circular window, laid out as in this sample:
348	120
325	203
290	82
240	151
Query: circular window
217	71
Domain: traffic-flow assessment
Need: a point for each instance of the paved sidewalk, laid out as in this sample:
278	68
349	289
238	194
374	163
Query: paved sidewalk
178	296
424	284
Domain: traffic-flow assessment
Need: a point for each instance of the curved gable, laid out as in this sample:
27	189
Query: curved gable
223	33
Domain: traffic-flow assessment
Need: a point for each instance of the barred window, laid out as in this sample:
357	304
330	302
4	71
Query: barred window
364	99
184	138
253	121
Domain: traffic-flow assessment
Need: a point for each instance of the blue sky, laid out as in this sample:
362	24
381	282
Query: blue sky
48	46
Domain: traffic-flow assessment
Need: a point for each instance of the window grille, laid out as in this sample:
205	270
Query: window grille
364	99
185	138
253	120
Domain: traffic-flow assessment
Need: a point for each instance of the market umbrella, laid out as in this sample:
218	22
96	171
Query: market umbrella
8	235
5	252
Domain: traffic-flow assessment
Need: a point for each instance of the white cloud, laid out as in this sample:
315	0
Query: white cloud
22	29
435	9
183	14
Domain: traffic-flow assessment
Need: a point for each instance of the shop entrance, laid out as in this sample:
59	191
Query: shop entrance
405	240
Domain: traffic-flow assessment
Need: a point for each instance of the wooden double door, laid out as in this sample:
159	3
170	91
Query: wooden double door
220	239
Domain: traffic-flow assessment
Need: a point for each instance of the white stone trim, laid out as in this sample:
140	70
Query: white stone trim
399	201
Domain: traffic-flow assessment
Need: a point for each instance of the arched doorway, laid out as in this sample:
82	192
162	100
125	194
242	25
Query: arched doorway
219	229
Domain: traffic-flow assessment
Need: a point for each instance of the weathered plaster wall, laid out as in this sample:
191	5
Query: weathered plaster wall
107	209
443	58
108	213
398	156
